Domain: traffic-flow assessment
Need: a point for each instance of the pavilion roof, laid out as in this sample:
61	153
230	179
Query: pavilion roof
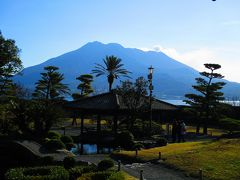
113	101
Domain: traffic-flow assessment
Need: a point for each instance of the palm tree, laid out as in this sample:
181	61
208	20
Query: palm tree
112	68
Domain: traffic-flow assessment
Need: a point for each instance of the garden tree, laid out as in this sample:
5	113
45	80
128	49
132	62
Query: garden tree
84	86
208	98
20	107
48	94
133	96
50	86
112	68
10	63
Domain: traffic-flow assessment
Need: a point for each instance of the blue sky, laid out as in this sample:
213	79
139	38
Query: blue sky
192	31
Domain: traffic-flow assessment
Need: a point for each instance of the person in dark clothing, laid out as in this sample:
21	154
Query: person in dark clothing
174	131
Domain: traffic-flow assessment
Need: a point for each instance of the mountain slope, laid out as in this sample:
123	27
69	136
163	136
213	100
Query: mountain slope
171	78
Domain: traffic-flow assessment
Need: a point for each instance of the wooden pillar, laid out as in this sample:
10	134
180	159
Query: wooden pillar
82	123
74	121
115	121
98	124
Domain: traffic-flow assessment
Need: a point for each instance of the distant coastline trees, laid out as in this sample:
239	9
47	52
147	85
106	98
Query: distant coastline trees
112	68
208	96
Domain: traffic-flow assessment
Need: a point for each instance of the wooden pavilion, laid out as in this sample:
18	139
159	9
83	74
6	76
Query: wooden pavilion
112	104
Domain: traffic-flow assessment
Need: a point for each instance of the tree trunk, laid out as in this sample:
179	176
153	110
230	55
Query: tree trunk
198	128
110	81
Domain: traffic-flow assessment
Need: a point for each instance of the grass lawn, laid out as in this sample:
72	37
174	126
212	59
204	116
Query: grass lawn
218	159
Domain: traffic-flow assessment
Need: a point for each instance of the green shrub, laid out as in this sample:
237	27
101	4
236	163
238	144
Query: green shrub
125	140
105	164
54	144
69	162
75	172
53	135
96	176
162	141
103	175
40	173
66	139
90	168
230	124
117	176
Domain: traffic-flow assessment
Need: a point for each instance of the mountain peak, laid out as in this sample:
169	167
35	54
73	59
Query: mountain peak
95	44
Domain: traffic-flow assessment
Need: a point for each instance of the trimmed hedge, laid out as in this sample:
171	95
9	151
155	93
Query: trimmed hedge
230	124
125	139
53	135
76	172
103	175
69	162
66	139
54	144
162	141
39	173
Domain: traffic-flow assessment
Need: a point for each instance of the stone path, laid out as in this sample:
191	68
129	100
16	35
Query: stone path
35	148
150	171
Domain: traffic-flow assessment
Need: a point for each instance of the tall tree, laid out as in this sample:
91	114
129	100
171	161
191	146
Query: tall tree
133	95
84	86
209	95
49	90
50	86
112	68
10	63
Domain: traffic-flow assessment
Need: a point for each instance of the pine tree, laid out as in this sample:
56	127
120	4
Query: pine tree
84	86
209	95
50	86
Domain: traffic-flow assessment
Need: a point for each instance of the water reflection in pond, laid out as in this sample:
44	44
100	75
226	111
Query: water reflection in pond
91	149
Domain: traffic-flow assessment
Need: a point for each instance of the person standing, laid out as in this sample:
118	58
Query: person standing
181	131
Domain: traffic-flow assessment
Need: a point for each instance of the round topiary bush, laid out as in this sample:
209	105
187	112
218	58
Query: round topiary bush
162	141
138	146
105	164
125	139
66	139
69	162
53	135
54	144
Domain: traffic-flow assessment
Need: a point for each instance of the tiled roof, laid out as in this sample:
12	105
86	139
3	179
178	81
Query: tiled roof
113	101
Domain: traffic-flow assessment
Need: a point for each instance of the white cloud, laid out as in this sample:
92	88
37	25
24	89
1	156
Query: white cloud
226	57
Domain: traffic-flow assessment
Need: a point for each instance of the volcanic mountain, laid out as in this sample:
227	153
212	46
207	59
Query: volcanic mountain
171	79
